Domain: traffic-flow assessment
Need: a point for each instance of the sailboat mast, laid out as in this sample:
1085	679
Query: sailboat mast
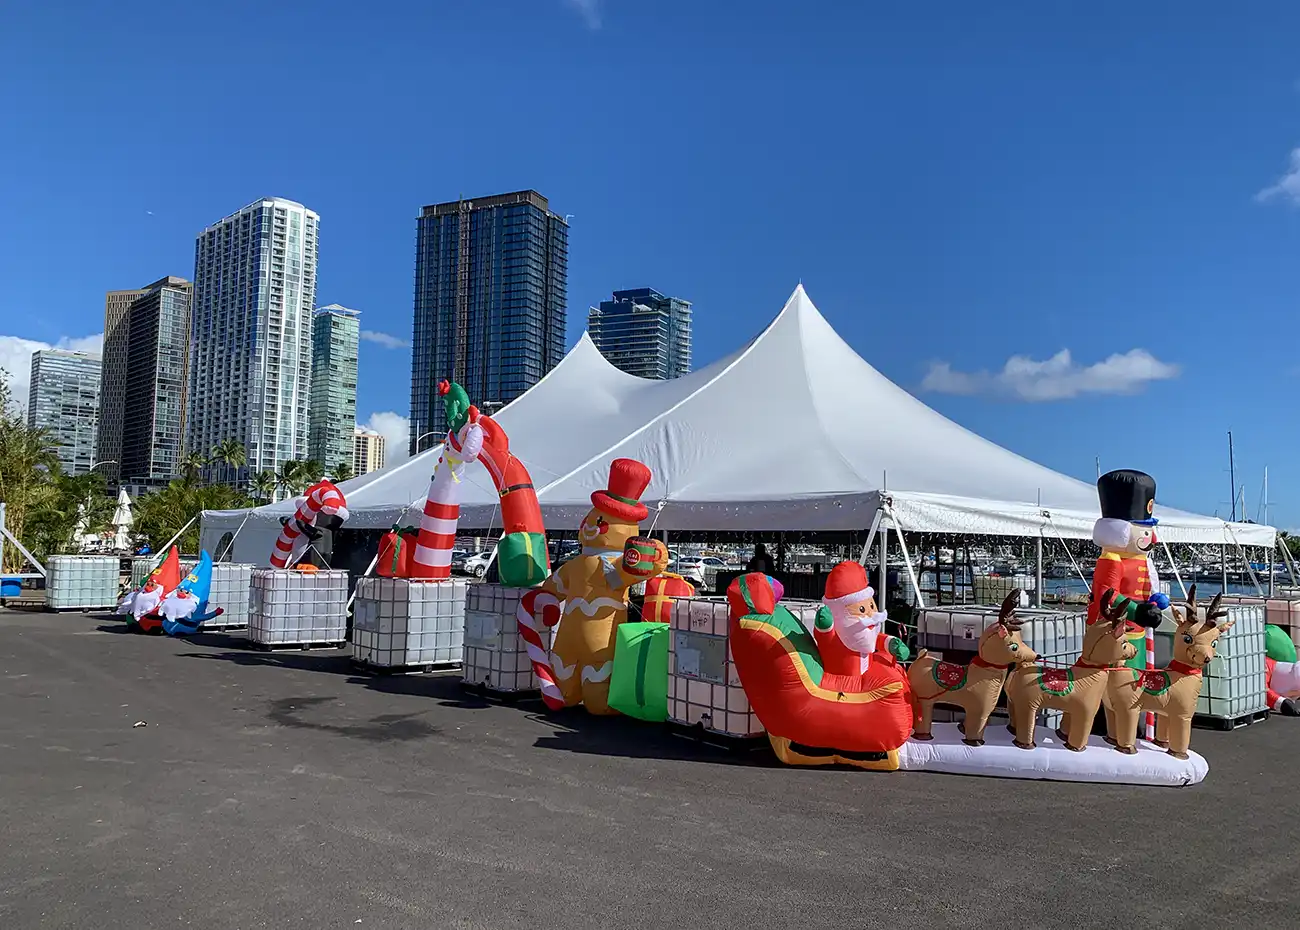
1266	495
1232	476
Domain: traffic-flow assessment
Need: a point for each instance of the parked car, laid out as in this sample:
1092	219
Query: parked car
477	563
458	559
691	569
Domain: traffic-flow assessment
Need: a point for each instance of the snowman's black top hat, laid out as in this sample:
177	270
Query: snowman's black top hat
1128	495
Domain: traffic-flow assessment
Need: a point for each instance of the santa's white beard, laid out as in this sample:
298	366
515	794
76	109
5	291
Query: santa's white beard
146	601
178	607
1286	679
860	633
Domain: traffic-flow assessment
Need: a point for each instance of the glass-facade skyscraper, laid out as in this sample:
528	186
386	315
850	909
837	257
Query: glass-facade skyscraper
643	333
333	410
156	384
112	381
250	369
63	399
491	281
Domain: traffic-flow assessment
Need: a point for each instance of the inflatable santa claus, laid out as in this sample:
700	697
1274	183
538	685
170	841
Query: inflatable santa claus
849	629
1281	672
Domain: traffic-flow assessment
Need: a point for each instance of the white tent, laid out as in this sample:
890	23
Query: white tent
793	432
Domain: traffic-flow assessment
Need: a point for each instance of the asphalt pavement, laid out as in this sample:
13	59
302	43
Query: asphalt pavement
287	790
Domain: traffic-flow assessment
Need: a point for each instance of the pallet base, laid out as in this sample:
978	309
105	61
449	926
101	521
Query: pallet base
293	647
487	692
736	744
1228	723
84	610
422	668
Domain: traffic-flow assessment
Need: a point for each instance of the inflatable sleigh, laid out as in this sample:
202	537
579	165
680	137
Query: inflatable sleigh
813	717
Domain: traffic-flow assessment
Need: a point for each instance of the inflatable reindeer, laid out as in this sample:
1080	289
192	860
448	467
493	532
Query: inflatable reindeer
1170	692
974	688
1076	691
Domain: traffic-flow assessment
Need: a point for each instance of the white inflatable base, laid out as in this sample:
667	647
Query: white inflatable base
1000	758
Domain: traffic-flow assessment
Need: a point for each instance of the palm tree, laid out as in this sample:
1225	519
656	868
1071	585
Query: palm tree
231	454
191	466
263	485
29	471
343	471
160	514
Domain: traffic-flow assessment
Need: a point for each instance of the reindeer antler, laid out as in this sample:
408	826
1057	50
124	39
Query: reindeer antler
1112	608
1007	613
1214	612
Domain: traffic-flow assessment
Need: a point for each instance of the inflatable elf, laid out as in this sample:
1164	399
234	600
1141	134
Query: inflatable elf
1281	672
1126	534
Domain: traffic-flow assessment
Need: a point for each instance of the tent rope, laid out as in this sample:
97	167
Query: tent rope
1245	558
1079	571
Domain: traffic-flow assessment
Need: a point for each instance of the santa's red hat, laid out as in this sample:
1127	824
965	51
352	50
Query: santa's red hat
847	584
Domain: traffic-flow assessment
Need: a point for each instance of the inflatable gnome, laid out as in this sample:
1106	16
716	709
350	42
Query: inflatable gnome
850	705
590	593
141	605
186	609
1281	672
1126	534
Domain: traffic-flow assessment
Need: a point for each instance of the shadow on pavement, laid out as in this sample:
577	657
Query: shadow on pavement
580	732
385	728
331	663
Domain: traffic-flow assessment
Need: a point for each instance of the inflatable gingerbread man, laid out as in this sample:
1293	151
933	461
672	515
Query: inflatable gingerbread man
849	629
590	591
1126	534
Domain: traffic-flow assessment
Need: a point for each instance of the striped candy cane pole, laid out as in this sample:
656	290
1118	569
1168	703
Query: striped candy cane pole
322	497
432	556
1151	664
530	605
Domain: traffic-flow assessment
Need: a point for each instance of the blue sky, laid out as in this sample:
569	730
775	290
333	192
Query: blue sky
957	187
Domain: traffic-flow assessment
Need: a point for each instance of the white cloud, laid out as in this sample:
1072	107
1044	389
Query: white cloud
589	10
1056	378
1287	186
16	359
396	430
385	340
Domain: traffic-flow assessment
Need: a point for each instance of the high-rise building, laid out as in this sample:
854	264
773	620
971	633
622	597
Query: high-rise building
157	384
112	381
644	333
368	451
63	399
490	297
332	414
250	366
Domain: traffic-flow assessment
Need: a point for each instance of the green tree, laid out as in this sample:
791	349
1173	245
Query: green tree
263	485
160	514
231	455
191	466
73	506
343	471
29	470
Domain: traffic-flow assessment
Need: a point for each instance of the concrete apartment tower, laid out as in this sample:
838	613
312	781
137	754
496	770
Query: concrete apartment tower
251	334
368	451
490	302
643	333
332	418
63	399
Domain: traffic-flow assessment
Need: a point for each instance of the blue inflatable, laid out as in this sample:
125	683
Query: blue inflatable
185	610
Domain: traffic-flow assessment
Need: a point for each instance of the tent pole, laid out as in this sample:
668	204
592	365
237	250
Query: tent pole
1038	560
871	537
907	559
1290	564
884	569
1272	566
1174	565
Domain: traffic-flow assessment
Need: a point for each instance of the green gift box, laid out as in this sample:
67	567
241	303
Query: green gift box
638	686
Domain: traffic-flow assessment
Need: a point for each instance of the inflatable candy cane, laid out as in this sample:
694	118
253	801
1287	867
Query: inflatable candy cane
432	556
300	529
531	606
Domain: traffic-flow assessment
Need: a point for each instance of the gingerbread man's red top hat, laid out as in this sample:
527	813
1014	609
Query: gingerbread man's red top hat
628	480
